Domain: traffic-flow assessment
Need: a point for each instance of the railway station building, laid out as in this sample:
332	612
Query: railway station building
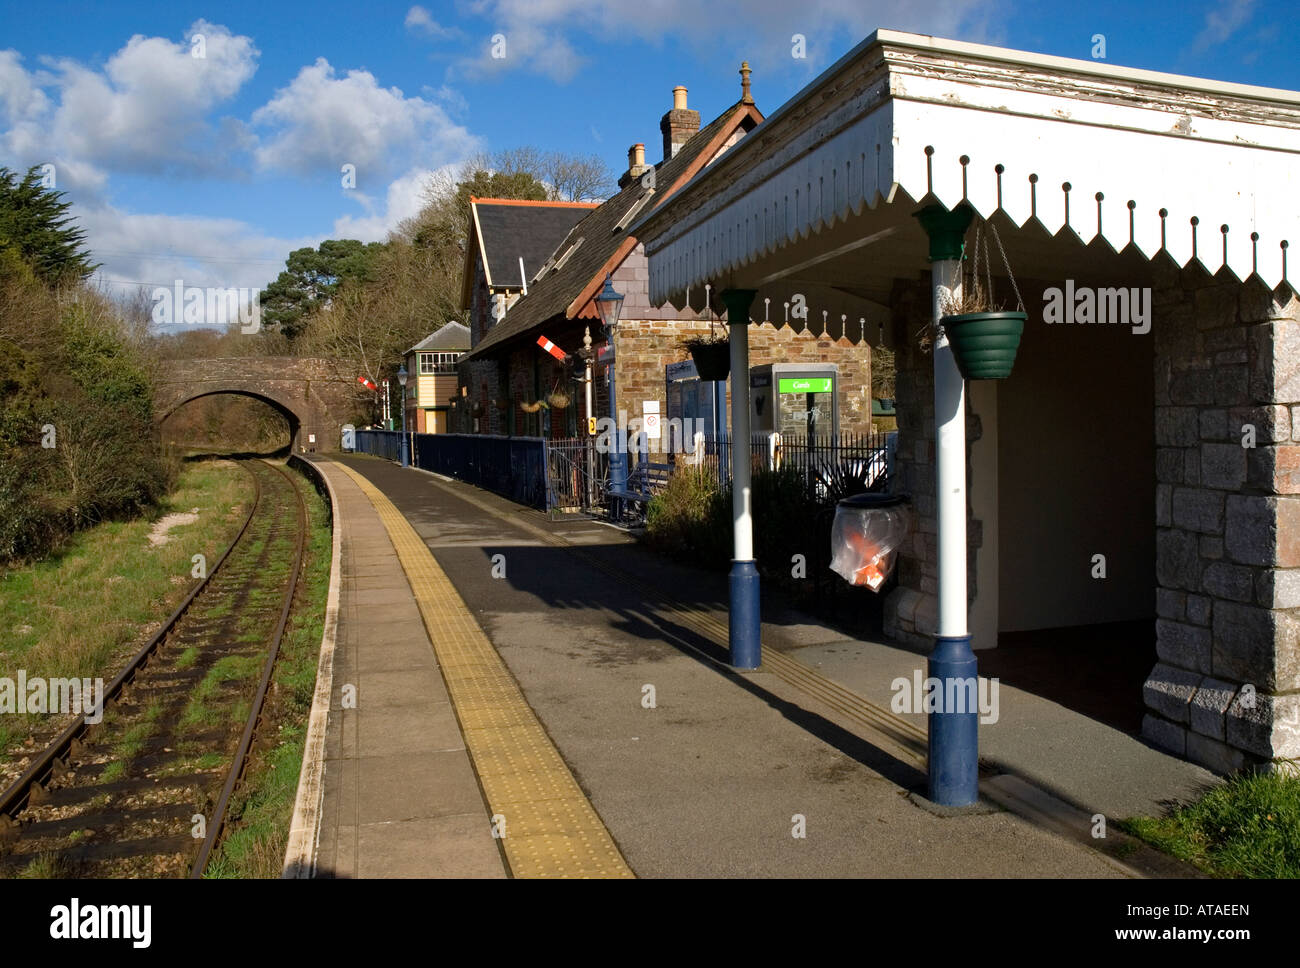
510	382
1132	489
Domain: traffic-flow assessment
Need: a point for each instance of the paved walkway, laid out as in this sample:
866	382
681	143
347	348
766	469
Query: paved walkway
692	768
400	795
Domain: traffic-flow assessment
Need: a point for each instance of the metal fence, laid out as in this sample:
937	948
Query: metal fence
571	474
514	467
577	473
829	464
381	443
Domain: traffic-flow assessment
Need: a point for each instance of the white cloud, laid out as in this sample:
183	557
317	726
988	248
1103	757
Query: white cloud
537	32
321	122
1222	22
404	199
219	253
420	20
20	96
146	111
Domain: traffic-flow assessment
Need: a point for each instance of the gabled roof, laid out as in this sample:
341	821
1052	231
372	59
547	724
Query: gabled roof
505	230
451	335
600	242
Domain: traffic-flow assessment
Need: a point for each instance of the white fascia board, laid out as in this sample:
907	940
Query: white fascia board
1225	154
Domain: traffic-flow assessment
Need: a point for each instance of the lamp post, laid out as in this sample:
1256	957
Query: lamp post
401	381
586	354
610	305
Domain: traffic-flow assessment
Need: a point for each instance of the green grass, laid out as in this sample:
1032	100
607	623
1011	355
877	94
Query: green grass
257	832
81	612
45	867
201	710
1248	827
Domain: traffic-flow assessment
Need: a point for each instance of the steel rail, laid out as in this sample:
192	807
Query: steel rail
17	796
214	827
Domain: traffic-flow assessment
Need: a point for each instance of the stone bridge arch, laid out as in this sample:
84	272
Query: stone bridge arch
314	395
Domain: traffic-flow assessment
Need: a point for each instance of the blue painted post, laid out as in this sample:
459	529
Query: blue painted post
954	730
618	457
745	625
401	446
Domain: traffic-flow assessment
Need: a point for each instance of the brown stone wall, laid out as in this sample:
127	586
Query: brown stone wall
316	396
646	346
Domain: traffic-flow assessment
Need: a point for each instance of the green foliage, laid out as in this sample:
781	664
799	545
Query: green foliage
1248	827
312	278
691	516
35	226
69	377
787	521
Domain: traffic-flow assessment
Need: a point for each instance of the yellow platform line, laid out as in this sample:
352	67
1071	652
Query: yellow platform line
550	827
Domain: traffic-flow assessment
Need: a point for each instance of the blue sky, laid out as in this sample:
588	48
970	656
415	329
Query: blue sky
212	168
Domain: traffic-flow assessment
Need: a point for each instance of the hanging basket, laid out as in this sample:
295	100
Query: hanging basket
712	359
985	344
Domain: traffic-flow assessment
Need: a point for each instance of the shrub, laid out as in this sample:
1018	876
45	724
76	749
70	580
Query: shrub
690	516
66	361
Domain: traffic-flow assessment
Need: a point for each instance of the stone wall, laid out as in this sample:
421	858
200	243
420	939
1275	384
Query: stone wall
1224	691
316	396
645	347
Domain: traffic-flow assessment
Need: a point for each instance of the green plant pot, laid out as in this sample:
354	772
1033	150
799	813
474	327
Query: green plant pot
712	360
984	344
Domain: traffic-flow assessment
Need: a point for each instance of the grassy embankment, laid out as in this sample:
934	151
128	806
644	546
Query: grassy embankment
85	610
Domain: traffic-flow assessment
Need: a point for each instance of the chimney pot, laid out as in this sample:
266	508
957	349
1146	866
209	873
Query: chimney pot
636	166
679	124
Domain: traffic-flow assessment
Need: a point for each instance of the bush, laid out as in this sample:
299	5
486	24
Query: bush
66	362
691	516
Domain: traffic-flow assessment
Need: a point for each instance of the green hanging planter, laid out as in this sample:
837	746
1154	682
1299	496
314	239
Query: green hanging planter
712	359
985	344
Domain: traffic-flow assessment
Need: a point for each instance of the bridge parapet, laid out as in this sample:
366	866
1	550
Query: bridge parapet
315	395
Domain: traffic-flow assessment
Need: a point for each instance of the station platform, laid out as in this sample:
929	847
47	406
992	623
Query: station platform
538	698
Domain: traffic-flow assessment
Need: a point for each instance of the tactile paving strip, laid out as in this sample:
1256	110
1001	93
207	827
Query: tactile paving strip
550	827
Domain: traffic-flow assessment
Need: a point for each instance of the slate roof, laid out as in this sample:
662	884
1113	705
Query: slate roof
600	241
451	335
509	230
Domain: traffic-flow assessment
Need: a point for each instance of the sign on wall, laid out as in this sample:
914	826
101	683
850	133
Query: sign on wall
650	418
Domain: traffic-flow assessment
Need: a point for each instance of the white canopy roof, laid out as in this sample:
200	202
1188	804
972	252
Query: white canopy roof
1203	170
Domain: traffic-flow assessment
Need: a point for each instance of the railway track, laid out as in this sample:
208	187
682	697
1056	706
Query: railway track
144	792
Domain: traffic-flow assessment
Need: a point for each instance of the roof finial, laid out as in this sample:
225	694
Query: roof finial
745	96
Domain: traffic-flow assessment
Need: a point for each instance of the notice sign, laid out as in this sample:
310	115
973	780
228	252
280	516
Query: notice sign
650	418
805	386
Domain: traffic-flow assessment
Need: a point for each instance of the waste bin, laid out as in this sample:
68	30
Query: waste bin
865	536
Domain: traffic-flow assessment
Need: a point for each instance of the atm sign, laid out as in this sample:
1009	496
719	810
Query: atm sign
805	386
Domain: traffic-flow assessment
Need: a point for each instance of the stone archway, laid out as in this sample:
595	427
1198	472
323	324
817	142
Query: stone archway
311	394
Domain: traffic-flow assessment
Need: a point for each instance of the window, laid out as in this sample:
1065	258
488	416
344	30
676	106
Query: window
438	363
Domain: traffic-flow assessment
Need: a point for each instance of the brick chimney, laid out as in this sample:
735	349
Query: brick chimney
679	124
636	166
